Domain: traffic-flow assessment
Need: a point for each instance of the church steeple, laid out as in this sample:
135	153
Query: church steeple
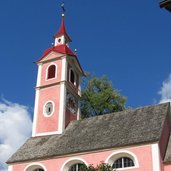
61	37
58	87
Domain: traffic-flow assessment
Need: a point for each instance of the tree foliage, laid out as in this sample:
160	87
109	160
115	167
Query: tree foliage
99	97
101	167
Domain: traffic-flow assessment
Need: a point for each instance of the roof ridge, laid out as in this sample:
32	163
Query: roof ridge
118	112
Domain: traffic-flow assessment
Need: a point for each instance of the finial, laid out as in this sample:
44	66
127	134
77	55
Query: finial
75	51
63	8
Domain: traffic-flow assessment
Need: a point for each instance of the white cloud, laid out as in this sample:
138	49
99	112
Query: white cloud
165	90
15	128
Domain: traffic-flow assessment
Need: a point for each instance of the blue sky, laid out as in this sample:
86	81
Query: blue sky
129	41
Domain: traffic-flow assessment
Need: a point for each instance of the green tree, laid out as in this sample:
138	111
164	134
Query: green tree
101	167
99	97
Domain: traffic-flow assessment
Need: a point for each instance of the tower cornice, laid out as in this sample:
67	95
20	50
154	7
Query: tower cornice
68	84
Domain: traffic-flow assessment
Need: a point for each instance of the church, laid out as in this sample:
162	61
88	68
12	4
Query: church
131	140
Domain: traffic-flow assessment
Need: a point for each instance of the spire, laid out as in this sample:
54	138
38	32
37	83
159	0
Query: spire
62	29
61	37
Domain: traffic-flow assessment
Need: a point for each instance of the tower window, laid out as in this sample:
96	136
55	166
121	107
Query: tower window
51	73
48	109
72	77
123	162
59	40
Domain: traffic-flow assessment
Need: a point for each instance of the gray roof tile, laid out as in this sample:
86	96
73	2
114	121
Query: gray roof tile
129	127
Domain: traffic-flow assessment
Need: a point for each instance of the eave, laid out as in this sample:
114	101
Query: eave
166	4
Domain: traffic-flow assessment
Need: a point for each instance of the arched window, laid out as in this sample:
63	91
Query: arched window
38	170
122	159
51	73
123	162
76	167
73	164
35	167
72	77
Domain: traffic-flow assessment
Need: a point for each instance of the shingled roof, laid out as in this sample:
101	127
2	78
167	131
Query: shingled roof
129	127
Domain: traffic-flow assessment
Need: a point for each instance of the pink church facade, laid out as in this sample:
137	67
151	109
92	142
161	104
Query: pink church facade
140	155
132	140
145	157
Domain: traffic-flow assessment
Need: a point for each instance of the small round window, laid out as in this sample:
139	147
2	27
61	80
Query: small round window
59	40
48	109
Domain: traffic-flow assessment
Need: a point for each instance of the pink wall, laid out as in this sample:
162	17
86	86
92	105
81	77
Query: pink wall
50	93
167	167
69	117
143	154
48	124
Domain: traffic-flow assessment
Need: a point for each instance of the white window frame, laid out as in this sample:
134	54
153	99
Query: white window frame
44	110
47	69
33	166
77	166
122	162
70	162
119	154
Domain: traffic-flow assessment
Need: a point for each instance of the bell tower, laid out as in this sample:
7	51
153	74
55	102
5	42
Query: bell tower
58	87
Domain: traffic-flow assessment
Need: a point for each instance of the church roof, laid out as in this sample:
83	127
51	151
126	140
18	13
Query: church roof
63	49
129	127
166	4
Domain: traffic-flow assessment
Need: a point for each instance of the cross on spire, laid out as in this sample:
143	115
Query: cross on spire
63	8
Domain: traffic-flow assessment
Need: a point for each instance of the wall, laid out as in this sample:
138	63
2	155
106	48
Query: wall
142	153
167	167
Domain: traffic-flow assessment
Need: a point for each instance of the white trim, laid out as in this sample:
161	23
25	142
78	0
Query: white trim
36	99
156	157
44	113
72	161
35	113
39	75
79	86
63	39
47	133
122	153
61	121
57	42
79	93
56	69
46	60
61	42
64	69
78	110
10	168
36	165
